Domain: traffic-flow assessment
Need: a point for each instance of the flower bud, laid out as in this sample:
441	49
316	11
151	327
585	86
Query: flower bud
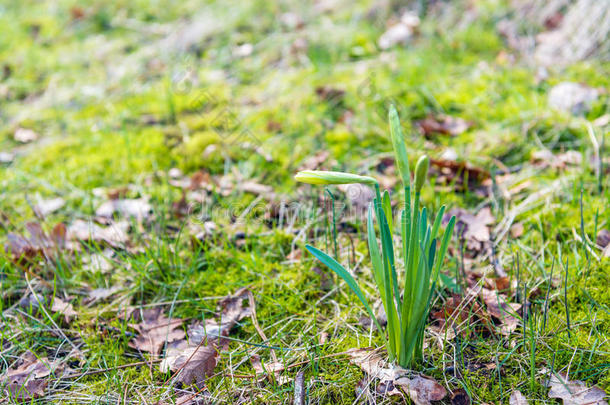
326	177
421	171
400	150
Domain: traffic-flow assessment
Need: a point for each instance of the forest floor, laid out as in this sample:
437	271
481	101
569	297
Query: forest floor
147	157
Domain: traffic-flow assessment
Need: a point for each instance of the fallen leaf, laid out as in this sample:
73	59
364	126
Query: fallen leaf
154	330
138	208
499	308
443	124
46	207
100	294
232	311
603	238
256	188
314	162
330	94
39	242
575	392
27	379
516	230
517	398
25	135
64	308
115	234
460	397
473	229
399	33
195	363
461	175
6	157
572	97
272	368
421	389
545	158
26	390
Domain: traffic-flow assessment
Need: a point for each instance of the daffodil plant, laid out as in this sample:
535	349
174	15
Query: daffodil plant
423	249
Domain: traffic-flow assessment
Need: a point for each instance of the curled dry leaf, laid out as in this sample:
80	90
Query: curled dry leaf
421	389
194	363
256	188
545	158
100	294
443	124
516	230
314	162
114	234
572	97
232	311
603	238
64	308
474	229
39	242
499	308
154	330
460	397
25	135
272	368
401	32
517	398
46	207
138	208
462	175
26	380
575	392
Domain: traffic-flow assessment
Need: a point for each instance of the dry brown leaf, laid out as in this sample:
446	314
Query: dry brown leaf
114	234
401	32
195	363
315	161
499	308
232	311
138	208
154	330
603	238
462	175
443	124
545	158
575	392
25	135
46	207
421	389
272	368
64	308
39	242
517	398
474	229
460	397
516	230
100	294
256	188
27	379
6	157
572	97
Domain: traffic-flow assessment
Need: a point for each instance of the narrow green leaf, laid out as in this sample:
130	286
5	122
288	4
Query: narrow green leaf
344	274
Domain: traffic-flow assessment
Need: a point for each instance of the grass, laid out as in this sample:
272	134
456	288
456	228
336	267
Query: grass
103	129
